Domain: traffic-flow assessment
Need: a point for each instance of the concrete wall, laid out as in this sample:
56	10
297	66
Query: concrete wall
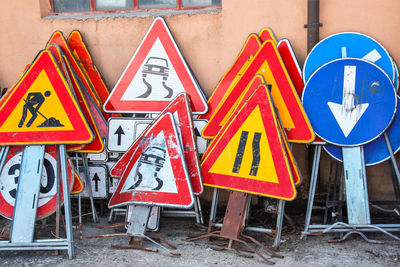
209	41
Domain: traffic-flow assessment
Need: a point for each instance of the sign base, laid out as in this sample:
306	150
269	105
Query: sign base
232	229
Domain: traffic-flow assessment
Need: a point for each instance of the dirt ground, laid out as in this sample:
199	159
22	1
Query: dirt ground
314	251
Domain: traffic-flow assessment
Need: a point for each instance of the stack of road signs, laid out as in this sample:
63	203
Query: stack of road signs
350	97
41	109
156	80
258	65
153	152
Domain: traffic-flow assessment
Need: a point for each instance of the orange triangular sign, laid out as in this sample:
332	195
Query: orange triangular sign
249	154
41	109
156	73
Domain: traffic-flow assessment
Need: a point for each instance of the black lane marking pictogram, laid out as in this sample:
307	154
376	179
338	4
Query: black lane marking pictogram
33	102
256	154
240	152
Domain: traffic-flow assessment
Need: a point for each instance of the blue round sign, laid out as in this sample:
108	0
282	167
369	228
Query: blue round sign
376	151
349	101
356	45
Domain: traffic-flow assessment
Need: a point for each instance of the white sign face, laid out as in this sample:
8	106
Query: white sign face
153	171
10	174
98	181
140	126
98	156
156	79
120	134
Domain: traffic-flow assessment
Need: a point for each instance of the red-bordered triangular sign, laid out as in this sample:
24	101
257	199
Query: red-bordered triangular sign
157	173
156	73
250	154
268	63
41	109
257	81
181	109
248	51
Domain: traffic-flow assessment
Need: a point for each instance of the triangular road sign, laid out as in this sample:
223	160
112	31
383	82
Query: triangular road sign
249	154
267	34
248	51
82	55
156	73
157	174
268	63
41	109
180	108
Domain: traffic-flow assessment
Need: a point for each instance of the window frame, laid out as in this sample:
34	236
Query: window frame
135	5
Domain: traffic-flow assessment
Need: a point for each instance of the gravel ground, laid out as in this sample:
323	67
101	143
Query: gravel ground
315	251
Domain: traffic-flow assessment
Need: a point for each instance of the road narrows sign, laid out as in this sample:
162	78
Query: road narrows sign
157	173
156	73
42	110
250	155
248	51
48	189
268	63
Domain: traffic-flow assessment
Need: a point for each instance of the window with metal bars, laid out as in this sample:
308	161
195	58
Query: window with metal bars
93	6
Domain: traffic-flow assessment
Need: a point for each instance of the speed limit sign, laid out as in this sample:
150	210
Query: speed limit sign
48	188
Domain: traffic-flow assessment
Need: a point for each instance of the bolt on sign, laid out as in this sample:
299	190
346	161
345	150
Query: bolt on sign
157	173
268	63
9	177
249	153
42	109
156	73
180	108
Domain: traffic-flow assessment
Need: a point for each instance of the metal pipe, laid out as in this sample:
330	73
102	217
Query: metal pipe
313	23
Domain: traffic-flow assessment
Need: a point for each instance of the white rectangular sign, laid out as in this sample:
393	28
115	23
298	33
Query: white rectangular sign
120	140
98	180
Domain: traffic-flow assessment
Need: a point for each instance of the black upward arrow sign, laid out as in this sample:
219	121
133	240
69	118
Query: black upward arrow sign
96	180
119	132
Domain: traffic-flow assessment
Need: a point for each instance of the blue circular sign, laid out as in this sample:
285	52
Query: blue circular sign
356	45
376	151
349	101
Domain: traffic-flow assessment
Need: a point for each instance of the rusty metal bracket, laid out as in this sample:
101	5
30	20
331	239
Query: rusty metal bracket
313	25
232	230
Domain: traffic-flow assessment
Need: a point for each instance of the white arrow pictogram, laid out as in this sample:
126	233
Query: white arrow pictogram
348	113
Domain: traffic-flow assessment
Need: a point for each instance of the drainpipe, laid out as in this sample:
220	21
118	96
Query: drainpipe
313	23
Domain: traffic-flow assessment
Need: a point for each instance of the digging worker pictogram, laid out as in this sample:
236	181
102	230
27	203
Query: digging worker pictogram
33	102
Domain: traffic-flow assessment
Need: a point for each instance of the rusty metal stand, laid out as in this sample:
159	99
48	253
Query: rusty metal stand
137	227
232	229
276	233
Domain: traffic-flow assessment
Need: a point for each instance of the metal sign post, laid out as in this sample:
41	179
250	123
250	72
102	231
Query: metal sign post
23	225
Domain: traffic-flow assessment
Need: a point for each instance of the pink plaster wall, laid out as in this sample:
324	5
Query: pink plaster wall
210	42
